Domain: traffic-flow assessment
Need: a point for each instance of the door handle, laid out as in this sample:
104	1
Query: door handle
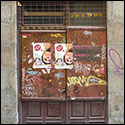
62	91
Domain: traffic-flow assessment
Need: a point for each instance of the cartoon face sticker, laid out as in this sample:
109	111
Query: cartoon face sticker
59	62
42	55
63	56
37	61
46	57
68	58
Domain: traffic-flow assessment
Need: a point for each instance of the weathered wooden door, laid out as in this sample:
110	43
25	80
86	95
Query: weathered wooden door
64	96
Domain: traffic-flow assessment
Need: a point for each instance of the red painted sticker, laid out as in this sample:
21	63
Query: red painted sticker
59	48
37	47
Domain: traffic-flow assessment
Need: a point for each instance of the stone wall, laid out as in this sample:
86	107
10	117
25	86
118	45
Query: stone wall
9	103
116	59
8	63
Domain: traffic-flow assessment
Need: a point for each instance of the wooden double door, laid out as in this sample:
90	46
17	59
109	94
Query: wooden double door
77	95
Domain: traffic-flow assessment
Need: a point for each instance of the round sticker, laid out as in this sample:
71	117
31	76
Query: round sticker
59	48
37	47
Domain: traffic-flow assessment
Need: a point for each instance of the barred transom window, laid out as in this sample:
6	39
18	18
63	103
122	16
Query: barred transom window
87	13
64	13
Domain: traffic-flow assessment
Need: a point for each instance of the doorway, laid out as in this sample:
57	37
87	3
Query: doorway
50	95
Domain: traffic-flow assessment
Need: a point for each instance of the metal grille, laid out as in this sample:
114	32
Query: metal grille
40	12
63	13
87	13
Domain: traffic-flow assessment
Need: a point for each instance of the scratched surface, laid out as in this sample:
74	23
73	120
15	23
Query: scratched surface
41	82
88	77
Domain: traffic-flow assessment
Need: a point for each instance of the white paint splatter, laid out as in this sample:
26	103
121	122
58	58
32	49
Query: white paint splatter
28	56
44	72
97	55
87	32
30	61
93	44
24	60
48	70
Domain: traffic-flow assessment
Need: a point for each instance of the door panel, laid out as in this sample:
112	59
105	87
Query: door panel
77	109
43	112
88	77
96	110
67	112
41	83
86	112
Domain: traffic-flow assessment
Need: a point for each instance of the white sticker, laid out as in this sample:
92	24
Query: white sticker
63	56
42	55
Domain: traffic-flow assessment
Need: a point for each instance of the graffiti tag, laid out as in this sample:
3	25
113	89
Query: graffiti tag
33	72
118	68
103	54
82	68
86	81
76	80
23	74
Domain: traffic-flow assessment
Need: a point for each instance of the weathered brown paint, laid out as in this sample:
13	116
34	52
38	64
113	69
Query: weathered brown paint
81	86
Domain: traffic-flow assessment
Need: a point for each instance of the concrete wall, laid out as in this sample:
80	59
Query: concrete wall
9	110
8	63
116	46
